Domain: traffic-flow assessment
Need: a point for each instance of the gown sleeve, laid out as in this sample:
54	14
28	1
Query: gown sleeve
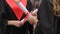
46	18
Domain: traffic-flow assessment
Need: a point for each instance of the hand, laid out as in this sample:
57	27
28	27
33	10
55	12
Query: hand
15	23
18	24
33	19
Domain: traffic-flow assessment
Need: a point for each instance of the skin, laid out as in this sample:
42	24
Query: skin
33	19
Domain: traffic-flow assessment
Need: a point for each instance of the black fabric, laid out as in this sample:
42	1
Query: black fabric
46	18
3	20
57	25
9	14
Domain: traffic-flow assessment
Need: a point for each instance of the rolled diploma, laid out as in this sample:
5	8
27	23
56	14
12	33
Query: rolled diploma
25	11
22	7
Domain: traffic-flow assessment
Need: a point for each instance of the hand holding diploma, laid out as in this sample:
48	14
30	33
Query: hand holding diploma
33	20
30	17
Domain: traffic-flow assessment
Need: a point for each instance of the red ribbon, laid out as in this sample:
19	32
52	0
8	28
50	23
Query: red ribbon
16	9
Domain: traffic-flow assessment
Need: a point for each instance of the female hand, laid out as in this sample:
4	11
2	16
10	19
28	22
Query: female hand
33	19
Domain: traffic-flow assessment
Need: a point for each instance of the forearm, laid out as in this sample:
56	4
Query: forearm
11	22
15	23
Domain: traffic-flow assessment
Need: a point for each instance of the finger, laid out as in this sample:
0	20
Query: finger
34	14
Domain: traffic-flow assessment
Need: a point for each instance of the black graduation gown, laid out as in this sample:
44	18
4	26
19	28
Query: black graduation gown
11	16
46	18
3	21
57	25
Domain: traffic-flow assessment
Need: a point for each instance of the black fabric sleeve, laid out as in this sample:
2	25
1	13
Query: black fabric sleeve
29	5
3	20
46	18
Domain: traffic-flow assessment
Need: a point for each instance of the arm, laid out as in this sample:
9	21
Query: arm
15	23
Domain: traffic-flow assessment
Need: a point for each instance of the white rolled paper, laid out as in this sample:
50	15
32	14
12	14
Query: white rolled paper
22	7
